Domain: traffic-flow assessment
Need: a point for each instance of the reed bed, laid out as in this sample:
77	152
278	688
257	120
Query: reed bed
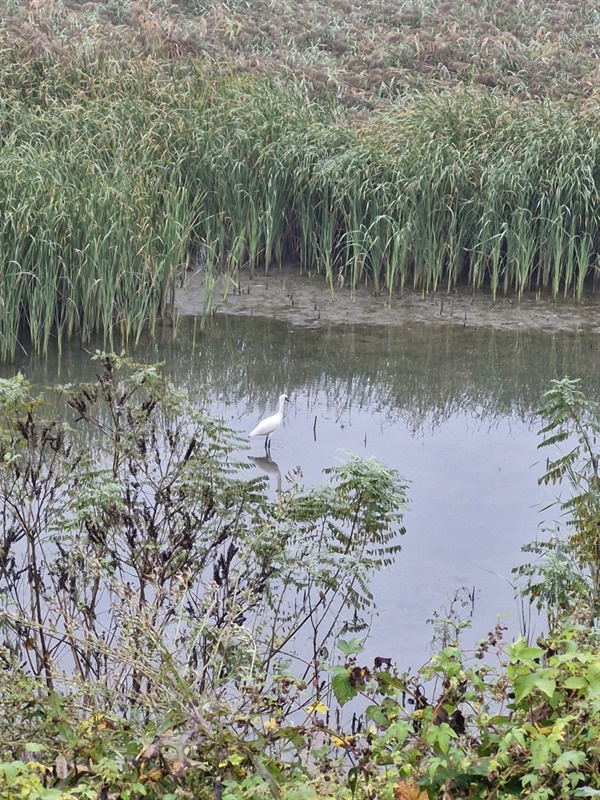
112	175
364	54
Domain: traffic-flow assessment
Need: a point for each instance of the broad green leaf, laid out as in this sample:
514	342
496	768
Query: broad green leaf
352	647
517	735
576	682
294	735
434	765
524	685
398	731
540	752
541	680
10	771
443	741
569	759
526	654
546	685
376	715
593	676
302	792
342	688
480	767
34	747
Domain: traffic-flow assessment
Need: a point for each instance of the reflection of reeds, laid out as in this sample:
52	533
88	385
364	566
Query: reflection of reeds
420	376
108	182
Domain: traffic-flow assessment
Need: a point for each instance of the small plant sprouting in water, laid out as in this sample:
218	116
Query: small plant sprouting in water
449	622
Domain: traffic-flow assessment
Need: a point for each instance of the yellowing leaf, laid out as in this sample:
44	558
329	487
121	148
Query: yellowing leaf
154	775
543	729
97	722
342	741
319	707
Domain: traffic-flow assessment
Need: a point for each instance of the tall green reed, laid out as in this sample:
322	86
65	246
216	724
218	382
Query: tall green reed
117	172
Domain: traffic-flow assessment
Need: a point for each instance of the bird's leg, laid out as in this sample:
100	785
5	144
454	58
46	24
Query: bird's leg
267	445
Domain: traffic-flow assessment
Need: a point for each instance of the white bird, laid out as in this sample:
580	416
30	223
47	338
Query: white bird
269	425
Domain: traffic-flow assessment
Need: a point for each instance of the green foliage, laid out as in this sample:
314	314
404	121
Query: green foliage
122	175
149	594
148	591
506	721
524	727
525	722
566	580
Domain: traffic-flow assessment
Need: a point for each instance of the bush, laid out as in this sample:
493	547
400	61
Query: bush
152	596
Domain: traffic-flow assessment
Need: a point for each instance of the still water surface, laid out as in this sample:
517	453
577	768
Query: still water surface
452	409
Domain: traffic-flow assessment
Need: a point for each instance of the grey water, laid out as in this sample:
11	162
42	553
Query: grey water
452	409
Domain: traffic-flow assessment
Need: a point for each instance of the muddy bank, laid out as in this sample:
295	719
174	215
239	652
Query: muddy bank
307	300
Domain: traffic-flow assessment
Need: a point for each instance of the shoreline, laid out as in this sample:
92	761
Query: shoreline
307	300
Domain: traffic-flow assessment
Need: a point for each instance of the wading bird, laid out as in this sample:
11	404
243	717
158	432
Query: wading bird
269	425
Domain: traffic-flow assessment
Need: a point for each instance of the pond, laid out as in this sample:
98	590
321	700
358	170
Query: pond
453	409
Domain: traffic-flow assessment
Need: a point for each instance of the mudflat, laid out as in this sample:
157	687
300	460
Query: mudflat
306	299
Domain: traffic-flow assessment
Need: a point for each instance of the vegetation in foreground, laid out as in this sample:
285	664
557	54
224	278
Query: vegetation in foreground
151	595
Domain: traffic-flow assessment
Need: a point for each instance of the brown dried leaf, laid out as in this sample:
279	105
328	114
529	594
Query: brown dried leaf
405	792
149	752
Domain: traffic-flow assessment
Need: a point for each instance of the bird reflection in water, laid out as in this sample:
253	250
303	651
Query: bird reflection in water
269	466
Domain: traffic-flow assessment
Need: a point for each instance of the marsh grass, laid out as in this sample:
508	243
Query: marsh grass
362	54
116	173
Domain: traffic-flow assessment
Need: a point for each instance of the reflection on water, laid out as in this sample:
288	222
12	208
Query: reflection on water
421	374
452	409
266	464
